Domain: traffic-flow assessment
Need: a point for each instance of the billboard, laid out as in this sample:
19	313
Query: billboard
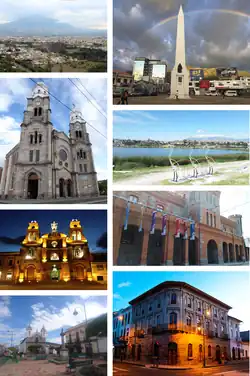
226	72
138	69
196	74
159	71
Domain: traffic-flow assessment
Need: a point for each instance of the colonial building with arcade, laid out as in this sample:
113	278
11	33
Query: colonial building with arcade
53	257
175	228
47	163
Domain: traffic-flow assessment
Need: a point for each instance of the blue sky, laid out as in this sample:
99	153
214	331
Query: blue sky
13	94
54	312
14	223
216	32
78	13
229	287
176	125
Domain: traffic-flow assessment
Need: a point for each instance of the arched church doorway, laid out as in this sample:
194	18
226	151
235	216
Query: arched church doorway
61	188
172	353
179	251
231	253
225	252
79	272
31	273
69	188
33	181
212	252
131	246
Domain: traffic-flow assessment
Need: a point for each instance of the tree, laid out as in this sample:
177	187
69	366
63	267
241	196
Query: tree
103	187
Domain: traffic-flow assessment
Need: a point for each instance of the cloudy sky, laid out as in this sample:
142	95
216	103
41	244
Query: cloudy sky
217	32
54	312
79	13
13	94
128	285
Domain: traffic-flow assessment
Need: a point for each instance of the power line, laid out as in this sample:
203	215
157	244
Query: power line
87	98
70	109
80	82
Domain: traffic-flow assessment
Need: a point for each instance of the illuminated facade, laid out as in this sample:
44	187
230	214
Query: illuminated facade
53	257
218	240
181	325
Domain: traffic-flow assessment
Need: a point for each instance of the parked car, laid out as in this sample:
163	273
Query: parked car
231	93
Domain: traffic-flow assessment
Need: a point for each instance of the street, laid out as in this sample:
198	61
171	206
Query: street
54	285
122	369
164	99
72	201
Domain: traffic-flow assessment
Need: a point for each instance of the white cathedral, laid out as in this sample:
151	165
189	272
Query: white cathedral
46	163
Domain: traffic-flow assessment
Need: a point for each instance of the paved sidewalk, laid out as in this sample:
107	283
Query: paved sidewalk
32	368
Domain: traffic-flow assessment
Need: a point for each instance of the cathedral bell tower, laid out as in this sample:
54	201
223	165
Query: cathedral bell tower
28	331
86	179
35	141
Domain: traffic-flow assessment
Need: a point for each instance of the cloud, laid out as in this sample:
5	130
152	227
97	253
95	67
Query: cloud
213	39
117	296
55	319
4	307
80	13
124	284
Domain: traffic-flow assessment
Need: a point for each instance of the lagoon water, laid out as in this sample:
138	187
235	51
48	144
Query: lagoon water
164	152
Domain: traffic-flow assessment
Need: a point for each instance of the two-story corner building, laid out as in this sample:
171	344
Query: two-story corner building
235	339
195	231
182	325
123	330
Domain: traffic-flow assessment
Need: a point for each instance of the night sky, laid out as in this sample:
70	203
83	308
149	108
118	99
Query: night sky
14	223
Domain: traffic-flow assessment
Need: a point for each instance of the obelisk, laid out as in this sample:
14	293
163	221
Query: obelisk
180	73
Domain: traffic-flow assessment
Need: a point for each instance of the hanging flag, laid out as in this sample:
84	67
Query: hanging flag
177	228
127	215
141	219
192	231
185	231
164	225
152	227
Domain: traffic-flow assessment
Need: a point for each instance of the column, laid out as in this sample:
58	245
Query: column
49	143
144	253
186	243
8	176
117	232
3	178
220	253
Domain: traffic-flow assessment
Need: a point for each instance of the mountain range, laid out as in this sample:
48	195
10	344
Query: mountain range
37	25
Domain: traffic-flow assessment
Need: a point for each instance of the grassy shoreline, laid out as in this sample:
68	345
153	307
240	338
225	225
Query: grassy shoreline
133	163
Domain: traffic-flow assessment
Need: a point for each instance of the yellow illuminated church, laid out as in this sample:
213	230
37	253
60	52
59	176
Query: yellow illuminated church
53	257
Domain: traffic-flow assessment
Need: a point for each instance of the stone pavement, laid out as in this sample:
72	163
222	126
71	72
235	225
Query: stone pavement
32	368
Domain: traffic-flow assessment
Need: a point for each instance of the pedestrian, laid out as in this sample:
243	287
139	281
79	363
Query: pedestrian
126	97
121	355
122	97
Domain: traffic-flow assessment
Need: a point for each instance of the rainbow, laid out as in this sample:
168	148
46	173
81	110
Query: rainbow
225	11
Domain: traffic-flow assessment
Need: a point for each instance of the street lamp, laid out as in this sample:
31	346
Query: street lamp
204	316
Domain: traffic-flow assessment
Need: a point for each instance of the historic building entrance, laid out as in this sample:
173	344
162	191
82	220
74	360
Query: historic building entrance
55	274
79	272
217	353
225	252
155	254
172	353
69	188
179	251
61	188
30	273
130	246
212	252
231	253
33	181
193	252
